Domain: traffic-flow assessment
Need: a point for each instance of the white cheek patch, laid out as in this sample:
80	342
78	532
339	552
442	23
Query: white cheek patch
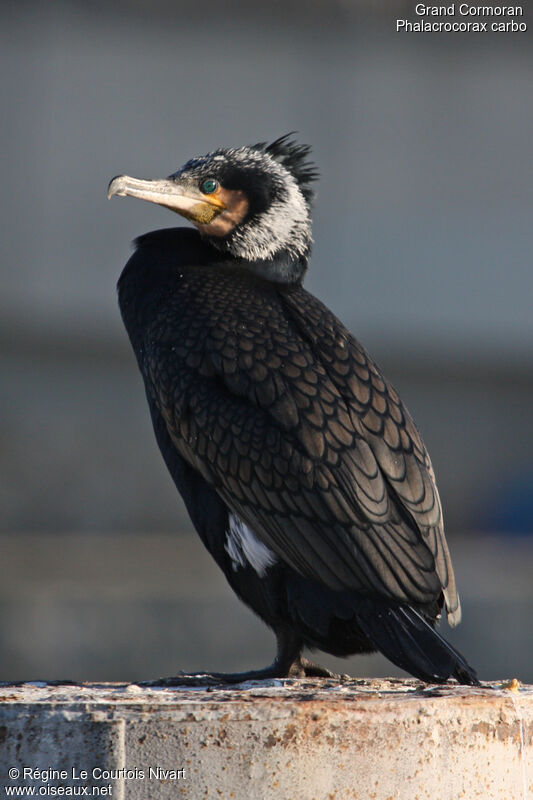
285	225
245	549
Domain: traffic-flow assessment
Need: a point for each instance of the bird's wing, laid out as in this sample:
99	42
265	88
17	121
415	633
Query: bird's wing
301	436
380	417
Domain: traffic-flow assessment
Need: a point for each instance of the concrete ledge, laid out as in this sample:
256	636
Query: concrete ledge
293	739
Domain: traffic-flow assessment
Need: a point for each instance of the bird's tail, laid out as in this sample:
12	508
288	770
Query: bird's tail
406	639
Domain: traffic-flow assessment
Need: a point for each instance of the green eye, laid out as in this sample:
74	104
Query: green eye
209	186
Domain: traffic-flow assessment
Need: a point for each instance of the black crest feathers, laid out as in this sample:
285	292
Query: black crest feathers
295	158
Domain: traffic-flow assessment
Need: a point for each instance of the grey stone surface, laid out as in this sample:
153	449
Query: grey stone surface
296	740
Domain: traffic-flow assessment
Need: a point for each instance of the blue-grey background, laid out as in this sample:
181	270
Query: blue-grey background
423	247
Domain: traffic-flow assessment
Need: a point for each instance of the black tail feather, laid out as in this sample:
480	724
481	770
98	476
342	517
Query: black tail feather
406	639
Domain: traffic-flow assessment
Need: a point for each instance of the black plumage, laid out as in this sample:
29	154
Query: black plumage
300	467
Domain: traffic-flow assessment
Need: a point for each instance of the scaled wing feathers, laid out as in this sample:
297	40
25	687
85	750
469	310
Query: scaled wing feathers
284	413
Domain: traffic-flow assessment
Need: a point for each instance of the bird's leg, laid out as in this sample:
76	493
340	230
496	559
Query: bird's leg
287	664
290	658
288	655
309	669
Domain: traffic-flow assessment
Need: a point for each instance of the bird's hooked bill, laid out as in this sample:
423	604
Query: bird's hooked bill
188	200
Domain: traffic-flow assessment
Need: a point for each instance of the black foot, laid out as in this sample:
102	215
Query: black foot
218	678
300	668
312	670
287	664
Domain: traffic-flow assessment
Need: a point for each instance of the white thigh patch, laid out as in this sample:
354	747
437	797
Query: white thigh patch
243	547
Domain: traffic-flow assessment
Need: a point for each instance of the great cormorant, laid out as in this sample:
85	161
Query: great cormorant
300	467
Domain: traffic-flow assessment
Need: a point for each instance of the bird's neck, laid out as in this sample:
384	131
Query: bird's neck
284	268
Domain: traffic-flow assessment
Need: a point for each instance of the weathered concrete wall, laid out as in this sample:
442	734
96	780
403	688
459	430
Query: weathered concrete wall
295	740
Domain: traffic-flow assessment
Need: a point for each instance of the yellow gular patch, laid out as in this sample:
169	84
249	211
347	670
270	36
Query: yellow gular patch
235	207
203	213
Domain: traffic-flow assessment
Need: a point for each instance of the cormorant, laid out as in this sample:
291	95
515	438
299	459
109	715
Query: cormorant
300	467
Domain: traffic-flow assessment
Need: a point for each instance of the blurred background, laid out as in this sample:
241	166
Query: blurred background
423	230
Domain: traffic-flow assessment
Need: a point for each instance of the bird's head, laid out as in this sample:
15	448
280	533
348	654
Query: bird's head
252	203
